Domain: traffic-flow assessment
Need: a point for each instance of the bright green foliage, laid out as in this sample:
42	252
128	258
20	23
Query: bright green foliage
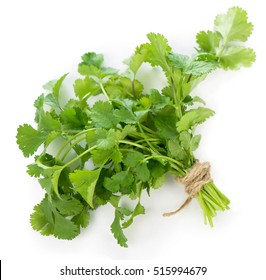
85	182
233	26
47	219
29	139
128	143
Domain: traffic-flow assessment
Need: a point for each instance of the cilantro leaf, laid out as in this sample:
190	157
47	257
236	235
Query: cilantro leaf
103	139
233	26
92	58
82	219
84	88
125	116
190	65
235	57
158	49
139	210
122	179
53	173
117	229
85	182
137	59
208	41
34	170
73	118
193	117
48	123
48	220
68	205
175	150
29	139
102	115
133	158
57	87
64	228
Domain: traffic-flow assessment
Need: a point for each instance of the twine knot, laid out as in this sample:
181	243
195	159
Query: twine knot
196	178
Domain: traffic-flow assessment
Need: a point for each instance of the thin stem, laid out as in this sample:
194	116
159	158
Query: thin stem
79	156
177	100
146	139
71	146
104	92
150	139
166	158
134	144
70	139
148	130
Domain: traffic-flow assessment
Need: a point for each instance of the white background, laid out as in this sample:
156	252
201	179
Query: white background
40	41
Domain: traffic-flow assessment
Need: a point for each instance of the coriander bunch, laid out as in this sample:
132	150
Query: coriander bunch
134	138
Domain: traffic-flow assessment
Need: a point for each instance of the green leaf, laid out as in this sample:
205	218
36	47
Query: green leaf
103	139
54	173
68	205
122	179
165	122
137	59
48	220
193	118
100	157
208	41
47	123
82	219
51	101
158	101
86	87
29	139
64	228
198	68
175	150
47	185
235	57
125	116
85	182
49	85
233	26
42	218
92	58
133	158
102	115
57	87
139	210
142	172
195	142
190	65
158	50
117	229
73	118
185	138
34	170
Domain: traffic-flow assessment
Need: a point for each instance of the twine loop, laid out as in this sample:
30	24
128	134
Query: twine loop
196	178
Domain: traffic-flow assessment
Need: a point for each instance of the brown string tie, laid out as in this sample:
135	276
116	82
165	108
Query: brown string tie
198	176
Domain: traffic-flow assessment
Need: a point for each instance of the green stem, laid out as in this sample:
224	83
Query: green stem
146	139
70	139
71	146
104	92
150	139
148	130
79	156
134	144
174	163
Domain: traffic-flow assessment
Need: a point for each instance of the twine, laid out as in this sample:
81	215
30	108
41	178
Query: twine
198	176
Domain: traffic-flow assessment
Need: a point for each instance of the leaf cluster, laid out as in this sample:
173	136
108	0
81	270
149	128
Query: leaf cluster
133	138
